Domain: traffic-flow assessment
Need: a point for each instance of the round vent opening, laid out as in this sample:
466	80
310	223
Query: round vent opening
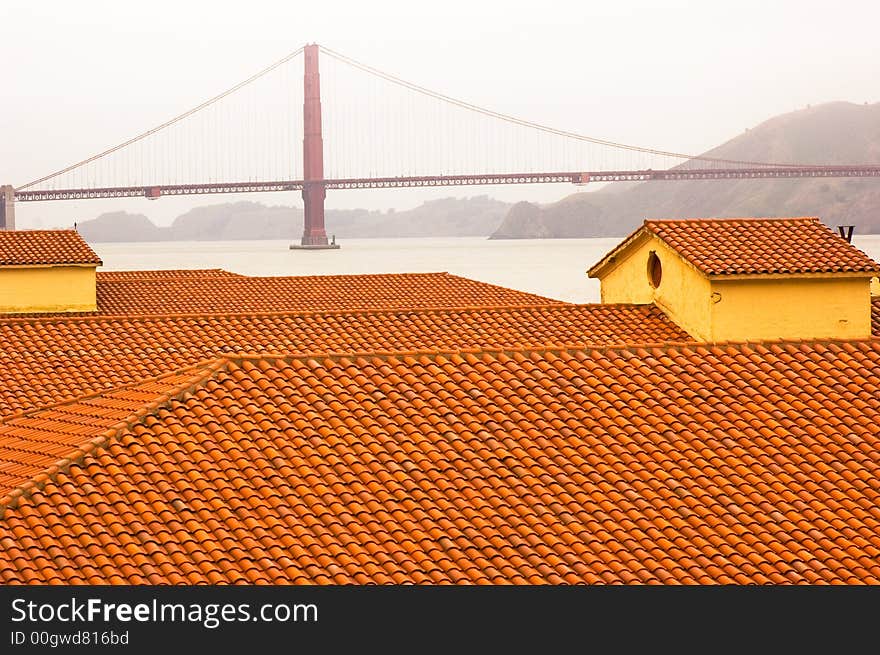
655	270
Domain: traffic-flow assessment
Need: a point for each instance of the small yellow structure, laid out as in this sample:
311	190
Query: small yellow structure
744	279
44	271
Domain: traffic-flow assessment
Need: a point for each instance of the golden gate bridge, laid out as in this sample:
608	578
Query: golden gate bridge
372	130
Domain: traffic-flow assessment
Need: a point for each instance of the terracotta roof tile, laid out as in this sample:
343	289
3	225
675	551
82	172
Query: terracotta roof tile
172	274
685	464
875	317
149	294
755	246
762	245
48	360
42	247
46	440
221	294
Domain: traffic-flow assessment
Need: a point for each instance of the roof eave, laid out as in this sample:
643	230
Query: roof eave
55	265
867	275
613	258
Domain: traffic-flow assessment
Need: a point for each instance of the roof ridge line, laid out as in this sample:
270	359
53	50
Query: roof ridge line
122	387
165	270
241	276
46	229
330	312
150	274
556	348
446	352
206	369
732	218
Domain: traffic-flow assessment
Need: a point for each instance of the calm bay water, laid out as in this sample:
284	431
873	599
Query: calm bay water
555	268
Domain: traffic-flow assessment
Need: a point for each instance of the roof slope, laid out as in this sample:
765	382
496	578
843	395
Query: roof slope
46	360
44	247
39	443
733	464
223	294
755	246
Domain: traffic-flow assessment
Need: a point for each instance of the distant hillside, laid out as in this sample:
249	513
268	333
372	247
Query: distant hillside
833	133
120	226
477	216
462	217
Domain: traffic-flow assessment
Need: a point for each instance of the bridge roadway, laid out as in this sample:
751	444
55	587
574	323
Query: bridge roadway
673	174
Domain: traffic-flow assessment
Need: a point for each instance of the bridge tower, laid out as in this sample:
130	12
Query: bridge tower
7	207
314	236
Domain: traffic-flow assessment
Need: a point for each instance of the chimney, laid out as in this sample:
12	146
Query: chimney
846	232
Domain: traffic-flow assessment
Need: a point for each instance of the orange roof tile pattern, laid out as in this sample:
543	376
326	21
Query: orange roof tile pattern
44	247
37	444
761	246
166	274
875	317
690	464
47	360
219	294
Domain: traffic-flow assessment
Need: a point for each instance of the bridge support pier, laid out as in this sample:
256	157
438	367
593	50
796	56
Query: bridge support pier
7	207
314	235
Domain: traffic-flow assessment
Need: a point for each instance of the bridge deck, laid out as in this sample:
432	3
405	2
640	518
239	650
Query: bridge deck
571	177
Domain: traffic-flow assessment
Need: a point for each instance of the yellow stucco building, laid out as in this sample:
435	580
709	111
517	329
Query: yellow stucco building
744	279
46	271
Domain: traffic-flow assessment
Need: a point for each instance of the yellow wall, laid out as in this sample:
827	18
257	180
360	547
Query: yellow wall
875	286
684	293
792	308
750	309
47	289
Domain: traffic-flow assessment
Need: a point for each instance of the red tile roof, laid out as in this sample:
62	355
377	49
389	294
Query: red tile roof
44	247
46	360
150	293
755	246
39	443
172	274
534	453
224	294
875	317
690	464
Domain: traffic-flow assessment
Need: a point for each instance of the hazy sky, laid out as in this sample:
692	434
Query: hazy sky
677	75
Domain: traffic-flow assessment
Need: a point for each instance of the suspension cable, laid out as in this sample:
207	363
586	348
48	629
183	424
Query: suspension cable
530	124
176	119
